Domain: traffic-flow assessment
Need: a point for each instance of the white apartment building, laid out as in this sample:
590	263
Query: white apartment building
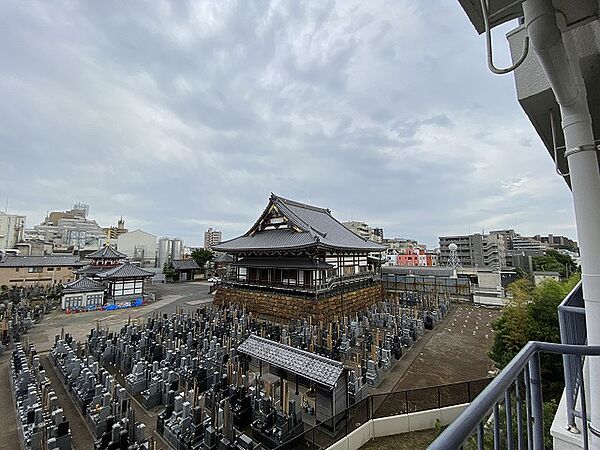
12	227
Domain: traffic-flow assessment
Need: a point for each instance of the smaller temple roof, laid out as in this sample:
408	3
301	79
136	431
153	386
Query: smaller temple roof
319	369
125	270
84	284
185	264
91	271
106	252
295	262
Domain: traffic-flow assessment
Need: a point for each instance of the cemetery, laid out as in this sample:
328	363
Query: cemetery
222	378
41	422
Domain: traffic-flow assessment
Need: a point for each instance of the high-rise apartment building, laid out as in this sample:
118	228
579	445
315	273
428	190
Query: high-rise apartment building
12	227
211	237
478	250
365	231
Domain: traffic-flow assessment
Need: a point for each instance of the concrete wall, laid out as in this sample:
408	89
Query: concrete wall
288	306
127	243
405	423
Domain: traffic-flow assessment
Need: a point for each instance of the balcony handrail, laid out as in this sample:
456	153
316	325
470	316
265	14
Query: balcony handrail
319	287
459	431
571	316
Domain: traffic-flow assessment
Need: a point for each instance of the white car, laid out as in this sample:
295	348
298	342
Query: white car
214	279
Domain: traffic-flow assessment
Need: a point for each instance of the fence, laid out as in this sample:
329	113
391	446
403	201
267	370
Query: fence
513	404
444	286
378	406
571	316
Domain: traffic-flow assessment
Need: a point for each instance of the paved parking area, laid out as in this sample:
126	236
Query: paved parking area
169	297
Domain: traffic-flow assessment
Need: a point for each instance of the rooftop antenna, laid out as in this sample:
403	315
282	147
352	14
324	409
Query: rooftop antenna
453	260
6	205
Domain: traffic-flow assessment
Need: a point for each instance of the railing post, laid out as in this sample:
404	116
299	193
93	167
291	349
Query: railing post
535	383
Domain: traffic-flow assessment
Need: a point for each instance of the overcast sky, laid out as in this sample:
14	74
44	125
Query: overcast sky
183	117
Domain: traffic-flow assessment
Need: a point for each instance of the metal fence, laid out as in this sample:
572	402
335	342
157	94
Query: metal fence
571	316
377	406
513	404
445	286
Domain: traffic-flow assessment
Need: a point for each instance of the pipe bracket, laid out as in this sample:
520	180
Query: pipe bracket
582	148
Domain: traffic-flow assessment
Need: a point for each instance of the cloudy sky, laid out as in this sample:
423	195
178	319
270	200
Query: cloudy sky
184	116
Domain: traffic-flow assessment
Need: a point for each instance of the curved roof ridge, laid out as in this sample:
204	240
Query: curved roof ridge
300	204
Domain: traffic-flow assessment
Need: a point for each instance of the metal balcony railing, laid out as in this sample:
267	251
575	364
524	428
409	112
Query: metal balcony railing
571	316
513	405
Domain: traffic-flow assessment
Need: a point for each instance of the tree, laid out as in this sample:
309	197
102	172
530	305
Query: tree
512	328
554	261
169	271
202	256
532	315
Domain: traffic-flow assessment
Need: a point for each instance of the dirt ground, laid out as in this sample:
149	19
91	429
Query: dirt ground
457	352
416	440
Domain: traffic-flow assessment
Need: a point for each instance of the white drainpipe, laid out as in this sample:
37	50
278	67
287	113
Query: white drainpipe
564	75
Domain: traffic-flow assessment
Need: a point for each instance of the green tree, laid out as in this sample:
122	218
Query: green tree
512	328
554	261
532	315
201	257
169	271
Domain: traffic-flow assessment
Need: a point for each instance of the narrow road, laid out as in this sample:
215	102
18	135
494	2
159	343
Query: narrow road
82	439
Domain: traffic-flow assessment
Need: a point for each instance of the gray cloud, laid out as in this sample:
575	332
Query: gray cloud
186	115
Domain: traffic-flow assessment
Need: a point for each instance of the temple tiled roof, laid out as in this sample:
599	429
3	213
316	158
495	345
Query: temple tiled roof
312	227
91	271
125	270
185	264
106	252
84	284
316	368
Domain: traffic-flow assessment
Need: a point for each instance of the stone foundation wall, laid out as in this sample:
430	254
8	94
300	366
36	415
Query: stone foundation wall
286	306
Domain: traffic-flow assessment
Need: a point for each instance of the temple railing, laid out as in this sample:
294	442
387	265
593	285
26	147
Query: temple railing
327	286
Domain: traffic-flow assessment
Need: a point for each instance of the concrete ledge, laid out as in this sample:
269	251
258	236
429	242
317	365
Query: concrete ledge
404	423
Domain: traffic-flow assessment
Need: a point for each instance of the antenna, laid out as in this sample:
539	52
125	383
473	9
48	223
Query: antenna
453	260
6	205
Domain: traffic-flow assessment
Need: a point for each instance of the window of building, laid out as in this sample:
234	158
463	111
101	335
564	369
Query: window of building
50	269
58	269
34	269
17	269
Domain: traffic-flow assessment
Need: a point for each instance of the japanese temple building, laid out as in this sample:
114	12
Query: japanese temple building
300	258
121	281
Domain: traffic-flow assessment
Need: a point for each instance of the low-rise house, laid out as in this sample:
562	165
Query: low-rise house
26	271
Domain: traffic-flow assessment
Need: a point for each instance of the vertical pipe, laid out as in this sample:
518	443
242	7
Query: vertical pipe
584	418
535	383
496	427
560	62
519	414
528	407
509	427
480	441
567	368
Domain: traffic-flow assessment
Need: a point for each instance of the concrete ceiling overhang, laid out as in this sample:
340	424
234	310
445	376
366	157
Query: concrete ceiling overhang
502	11
533	91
